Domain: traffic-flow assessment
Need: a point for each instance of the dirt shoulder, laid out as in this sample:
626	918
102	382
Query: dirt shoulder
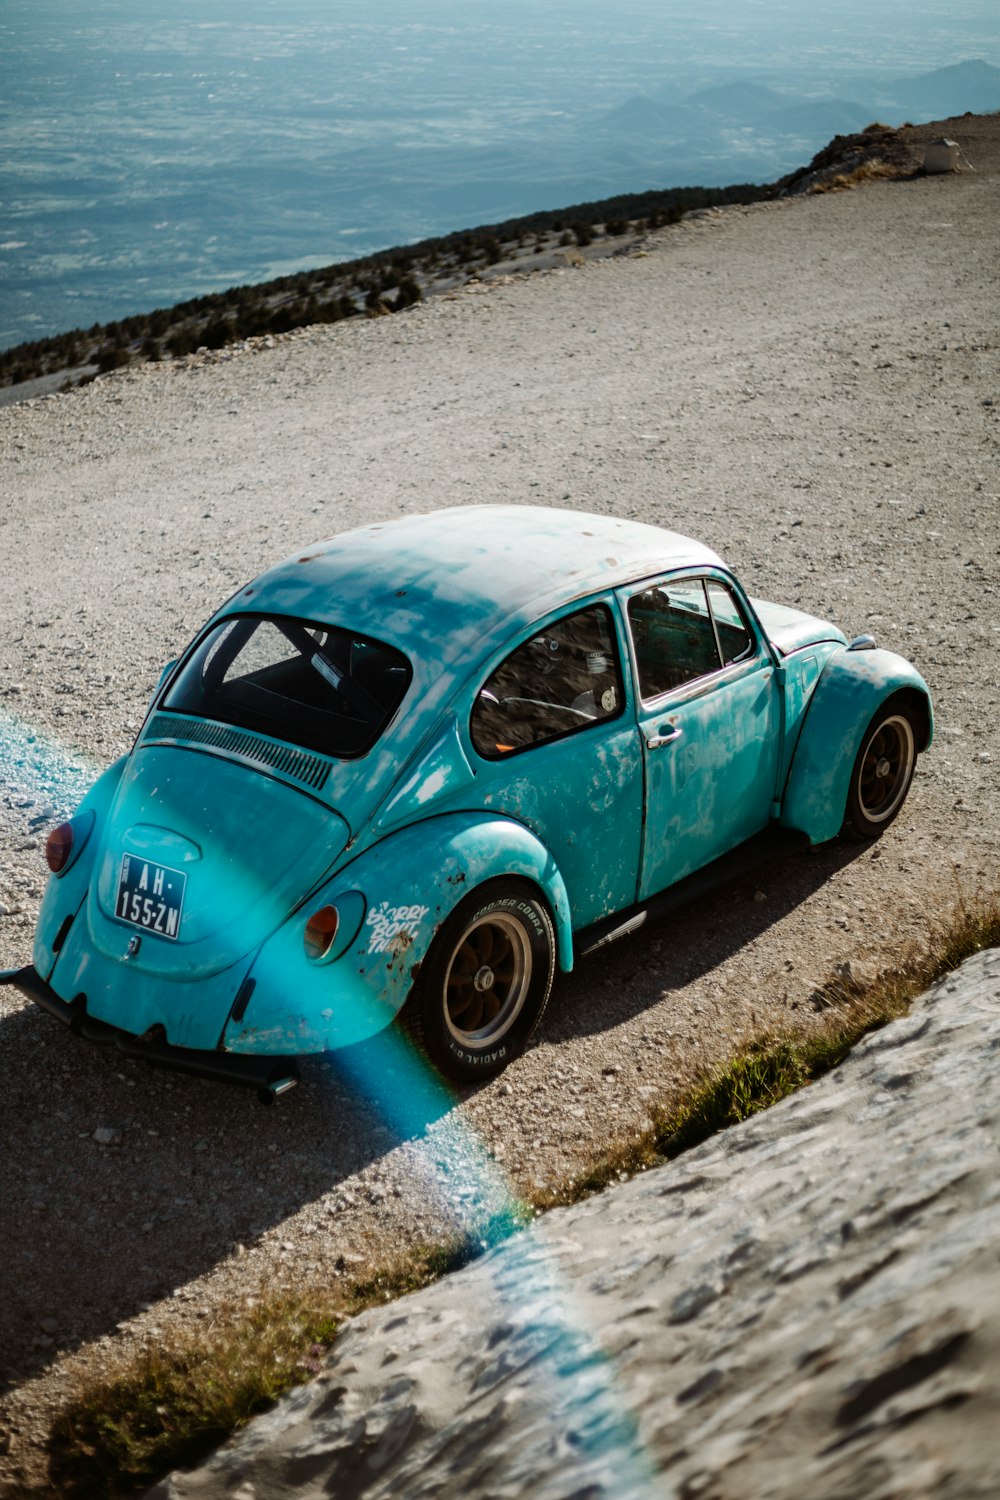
810	385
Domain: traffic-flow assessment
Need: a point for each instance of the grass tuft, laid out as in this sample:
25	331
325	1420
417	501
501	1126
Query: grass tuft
175	1405
171	1407
871	170
748	1084
774	1067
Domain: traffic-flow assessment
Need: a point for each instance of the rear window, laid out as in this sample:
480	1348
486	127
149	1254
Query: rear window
318	686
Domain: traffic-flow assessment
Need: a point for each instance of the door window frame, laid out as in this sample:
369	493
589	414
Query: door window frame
621	646
759	654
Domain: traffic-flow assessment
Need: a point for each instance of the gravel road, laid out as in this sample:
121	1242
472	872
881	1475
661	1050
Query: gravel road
810	386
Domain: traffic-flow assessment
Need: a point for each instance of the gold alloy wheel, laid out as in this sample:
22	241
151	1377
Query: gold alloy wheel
487	979
886	768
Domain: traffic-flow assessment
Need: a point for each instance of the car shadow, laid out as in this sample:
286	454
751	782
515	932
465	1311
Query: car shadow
620	981
121	1183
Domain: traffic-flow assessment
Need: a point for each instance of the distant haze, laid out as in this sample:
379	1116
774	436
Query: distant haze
160	150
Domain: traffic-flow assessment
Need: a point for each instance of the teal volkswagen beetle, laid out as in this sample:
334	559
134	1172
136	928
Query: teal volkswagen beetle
423	766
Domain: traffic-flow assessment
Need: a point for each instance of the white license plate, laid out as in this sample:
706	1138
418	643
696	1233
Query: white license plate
150	896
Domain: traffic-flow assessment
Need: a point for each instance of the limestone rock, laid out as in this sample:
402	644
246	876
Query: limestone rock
806	1305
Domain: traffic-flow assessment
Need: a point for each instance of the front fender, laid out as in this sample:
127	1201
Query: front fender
851	687
396	896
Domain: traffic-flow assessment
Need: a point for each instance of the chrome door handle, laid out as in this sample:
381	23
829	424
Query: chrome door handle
654	741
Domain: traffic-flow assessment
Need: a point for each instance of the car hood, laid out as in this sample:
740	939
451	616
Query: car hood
248	846
791	630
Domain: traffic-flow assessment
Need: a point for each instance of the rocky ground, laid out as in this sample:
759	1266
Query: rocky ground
432	266
809	385
784	1312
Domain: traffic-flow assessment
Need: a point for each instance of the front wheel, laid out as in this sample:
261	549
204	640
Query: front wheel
882	772
485	983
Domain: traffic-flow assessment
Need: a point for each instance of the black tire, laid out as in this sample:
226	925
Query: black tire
883	771
485	983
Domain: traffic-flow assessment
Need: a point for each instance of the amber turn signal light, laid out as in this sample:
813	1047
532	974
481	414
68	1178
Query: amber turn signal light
59	847
321	929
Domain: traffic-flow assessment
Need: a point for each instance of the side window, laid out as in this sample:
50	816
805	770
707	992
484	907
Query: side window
673	635
683	629
735	640
562	680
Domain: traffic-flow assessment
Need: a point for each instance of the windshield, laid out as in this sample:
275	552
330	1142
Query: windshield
313	685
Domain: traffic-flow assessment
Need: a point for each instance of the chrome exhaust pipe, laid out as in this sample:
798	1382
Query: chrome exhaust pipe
271	1092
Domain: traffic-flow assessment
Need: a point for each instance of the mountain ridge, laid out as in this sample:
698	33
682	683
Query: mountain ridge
394	279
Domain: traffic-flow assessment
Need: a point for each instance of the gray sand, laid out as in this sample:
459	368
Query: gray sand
810	386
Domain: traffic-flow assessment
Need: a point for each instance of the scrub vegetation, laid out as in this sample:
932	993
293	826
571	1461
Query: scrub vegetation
867	171
171	1407
386	282
394	279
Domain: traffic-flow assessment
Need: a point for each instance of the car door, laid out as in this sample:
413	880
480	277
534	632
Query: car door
710	719
556	748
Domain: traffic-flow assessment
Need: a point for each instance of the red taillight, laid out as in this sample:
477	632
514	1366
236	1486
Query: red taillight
321	929
59	847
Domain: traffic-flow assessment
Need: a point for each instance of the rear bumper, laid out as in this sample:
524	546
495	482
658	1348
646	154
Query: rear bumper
269	1076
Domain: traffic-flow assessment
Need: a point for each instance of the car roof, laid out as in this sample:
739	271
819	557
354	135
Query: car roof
450	584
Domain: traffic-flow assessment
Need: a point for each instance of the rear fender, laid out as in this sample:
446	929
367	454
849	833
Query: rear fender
65	892
393	899
852	686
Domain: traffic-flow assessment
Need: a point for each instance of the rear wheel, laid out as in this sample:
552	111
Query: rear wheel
485	982
882	772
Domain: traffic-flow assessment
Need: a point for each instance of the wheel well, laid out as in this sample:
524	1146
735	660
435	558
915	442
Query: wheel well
530	885
533	888
920	708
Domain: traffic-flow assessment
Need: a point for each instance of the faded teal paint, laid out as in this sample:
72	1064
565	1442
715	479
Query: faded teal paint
65	893
802	644
800	674
439	776
412	880
120	993
399	835
446	587
852	686
790	630
597	773
582	798
448	590
251	847
711	785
